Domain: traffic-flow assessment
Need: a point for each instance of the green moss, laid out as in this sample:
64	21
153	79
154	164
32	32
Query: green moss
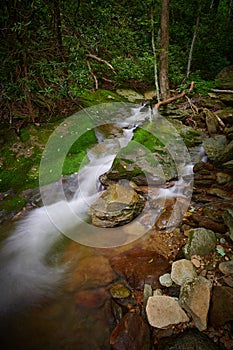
12	204
90	98
147	139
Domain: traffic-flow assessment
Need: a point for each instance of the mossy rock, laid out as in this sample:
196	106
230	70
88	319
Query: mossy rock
200	242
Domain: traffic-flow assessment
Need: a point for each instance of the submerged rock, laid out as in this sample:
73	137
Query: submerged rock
131	333
140	266
117	205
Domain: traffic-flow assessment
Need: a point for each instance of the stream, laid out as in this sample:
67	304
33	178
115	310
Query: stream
54	255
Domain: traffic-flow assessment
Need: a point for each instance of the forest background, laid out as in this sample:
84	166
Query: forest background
54	51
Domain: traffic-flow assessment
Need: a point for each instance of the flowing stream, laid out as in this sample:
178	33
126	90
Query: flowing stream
37	259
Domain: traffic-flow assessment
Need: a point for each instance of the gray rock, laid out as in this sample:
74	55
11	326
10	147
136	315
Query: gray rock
228	220
130	95
200	242
195	299
163	311
183	271
165	280
226	267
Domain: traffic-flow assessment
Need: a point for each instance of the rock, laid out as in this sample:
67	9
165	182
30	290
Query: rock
91	272
117	205
221	310
225	114
165	280
226	267
182	271
218	149
224	79
92	298
228	219
195	299
223	178
119	291
147	292
211	121
131	333
189	340
163	311
150	95
130	95
200	242
139	266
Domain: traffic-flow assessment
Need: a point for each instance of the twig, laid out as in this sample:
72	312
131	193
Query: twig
93	75
222	91
174	98
101	61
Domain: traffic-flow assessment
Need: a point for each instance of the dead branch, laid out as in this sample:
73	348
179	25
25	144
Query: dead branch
93	75
174	98
94	57
222	91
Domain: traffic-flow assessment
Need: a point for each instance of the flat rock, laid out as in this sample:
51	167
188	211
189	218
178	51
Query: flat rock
163	311
195	299
139	266
182	271
226	267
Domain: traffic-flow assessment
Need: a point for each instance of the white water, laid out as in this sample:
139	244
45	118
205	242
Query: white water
24	274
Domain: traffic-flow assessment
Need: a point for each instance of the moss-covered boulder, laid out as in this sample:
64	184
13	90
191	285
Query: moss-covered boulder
200	242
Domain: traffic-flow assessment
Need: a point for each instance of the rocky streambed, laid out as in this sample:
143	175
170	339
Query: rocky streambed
172	288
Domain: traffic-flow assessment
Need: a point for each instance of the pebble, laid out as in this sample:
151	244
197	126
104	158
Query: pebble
226	267
165	280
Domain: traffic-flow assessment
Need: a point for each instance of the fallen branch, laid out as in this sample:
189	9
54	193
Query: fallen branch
222	91
174	98
101	61
93	75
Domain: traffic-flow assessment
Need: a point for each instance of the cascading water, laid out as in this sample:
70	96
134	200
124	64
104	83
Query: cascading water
26	273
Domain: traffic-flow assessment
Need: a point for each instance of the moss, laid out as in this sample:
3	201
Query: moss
12	204
147	139
90	98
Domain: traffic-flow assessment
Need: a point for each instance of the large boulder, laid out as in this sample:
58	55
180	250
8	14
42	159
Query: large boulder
117	205
224	79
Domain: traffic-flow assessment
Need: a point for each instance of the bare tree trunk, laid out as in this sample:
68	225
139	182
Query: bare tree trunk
164	44
193	41
154	53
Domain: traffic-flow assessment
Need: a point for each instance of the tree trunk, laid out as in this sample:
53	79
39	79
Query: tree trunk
193	41
164	44
154	53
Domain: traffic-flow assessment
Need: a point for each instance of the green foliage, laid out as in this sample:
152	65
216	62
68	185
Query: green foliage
12	204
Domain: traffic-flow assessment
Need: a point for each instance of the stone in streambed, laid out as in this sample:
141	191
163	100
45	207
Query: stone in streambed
182	271
221	310
195	299
140	266
163	311
117	205
200	242
131	333
119	291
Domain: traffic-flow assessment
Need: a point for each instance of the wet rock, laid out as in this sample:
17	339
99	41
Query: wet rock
218	192
228	219
119	290
163	311
221	310
223	178
226	267
200	242
131	333
211	121
165	280
91	272
139	266
147	292
117	205
195	299
182	271
93	298
218	149
189	340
